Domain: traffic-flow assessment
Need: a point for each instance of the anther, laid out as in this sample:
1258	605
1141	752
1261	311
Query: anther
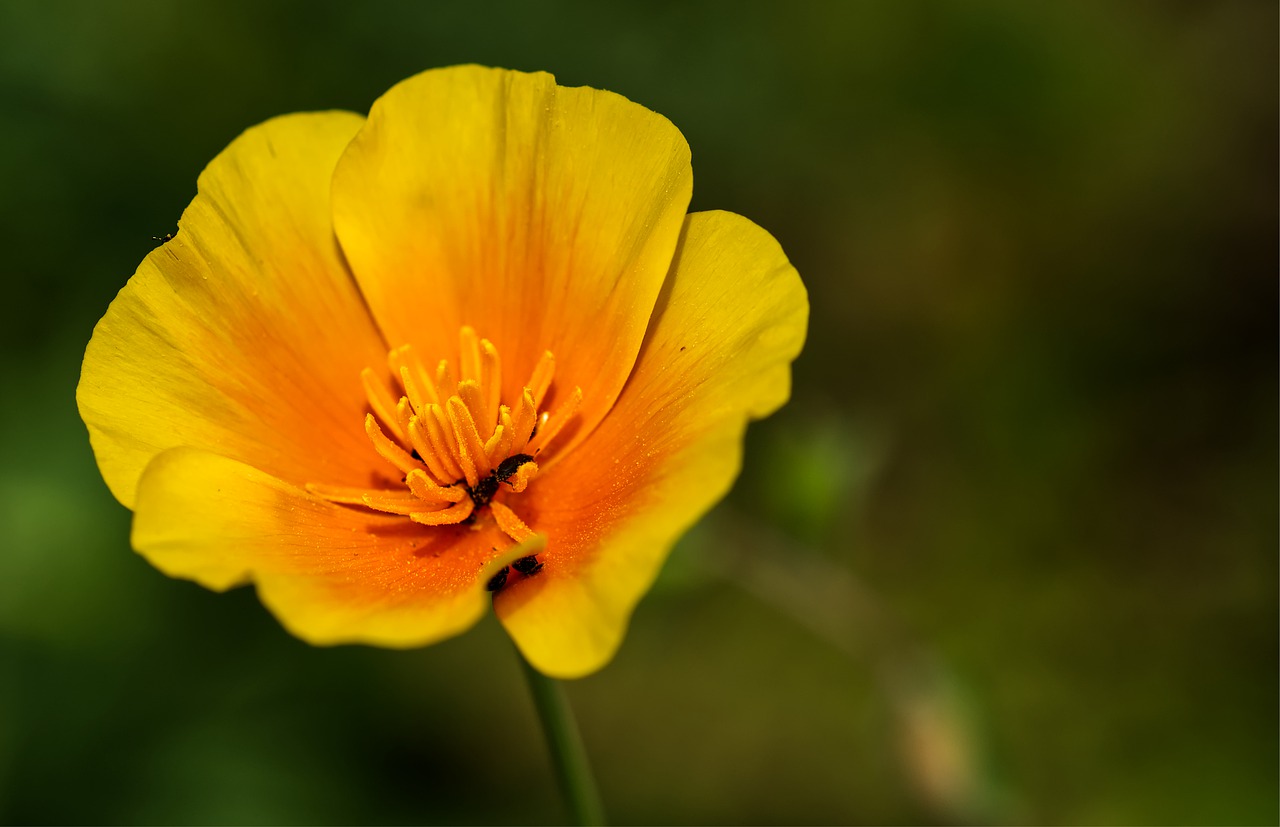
456	448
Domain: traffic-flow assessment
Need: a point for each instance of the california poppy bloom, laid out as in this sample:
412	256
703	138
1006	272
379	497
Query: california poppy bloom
469	346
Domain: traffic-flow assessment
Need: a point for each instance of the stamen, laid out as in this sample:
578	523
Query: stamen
419	430
519	481
491	377
381	401
469	353
416	438
412	391
441	442
387	449
404	412
444	376
413	376
403	503
491	447
471	450
455	513
445	426
474	399
459	449
343	494
392	502
425	489
541	379
525	419
548	430
506	431
511	525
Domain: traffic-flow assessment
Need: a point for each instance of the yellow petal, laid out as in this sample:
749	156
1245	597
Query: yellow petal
245	334
730	320
331	574
544	217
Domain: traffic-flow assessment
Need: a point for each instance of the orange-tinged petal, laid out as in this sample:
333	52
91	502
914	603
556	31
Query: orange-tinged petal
331	574
544	217
245	334
731	318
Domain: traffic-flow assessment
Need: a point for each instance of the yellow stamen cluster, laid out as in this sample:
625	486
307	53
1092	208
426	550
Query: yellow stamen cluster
456	450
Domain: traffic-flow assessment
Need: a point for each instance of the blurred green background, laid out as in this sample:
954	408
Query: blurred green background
1010	554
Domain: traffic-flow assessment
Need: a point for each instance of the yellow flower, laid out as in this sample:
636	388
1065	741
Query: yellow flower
469	344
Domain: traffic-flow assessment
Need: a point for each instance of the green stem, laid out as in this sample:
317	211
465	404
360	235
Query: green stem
568	756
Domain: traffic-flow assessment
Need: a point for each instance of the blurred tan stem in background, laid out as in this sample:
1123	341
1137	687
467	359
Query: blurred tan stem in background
935	731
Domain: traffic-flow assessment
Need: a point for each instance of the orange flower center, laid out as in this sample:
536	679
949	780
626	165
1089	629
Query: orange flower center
458	447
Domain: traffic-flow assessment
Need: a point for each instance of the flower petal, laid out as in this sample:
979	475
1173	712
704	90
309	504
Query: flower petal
731	318
545	217
245	333
331	574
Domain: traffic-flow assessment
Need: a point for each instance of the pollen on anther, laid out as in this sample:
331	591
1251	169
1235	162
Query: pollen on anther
457	449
